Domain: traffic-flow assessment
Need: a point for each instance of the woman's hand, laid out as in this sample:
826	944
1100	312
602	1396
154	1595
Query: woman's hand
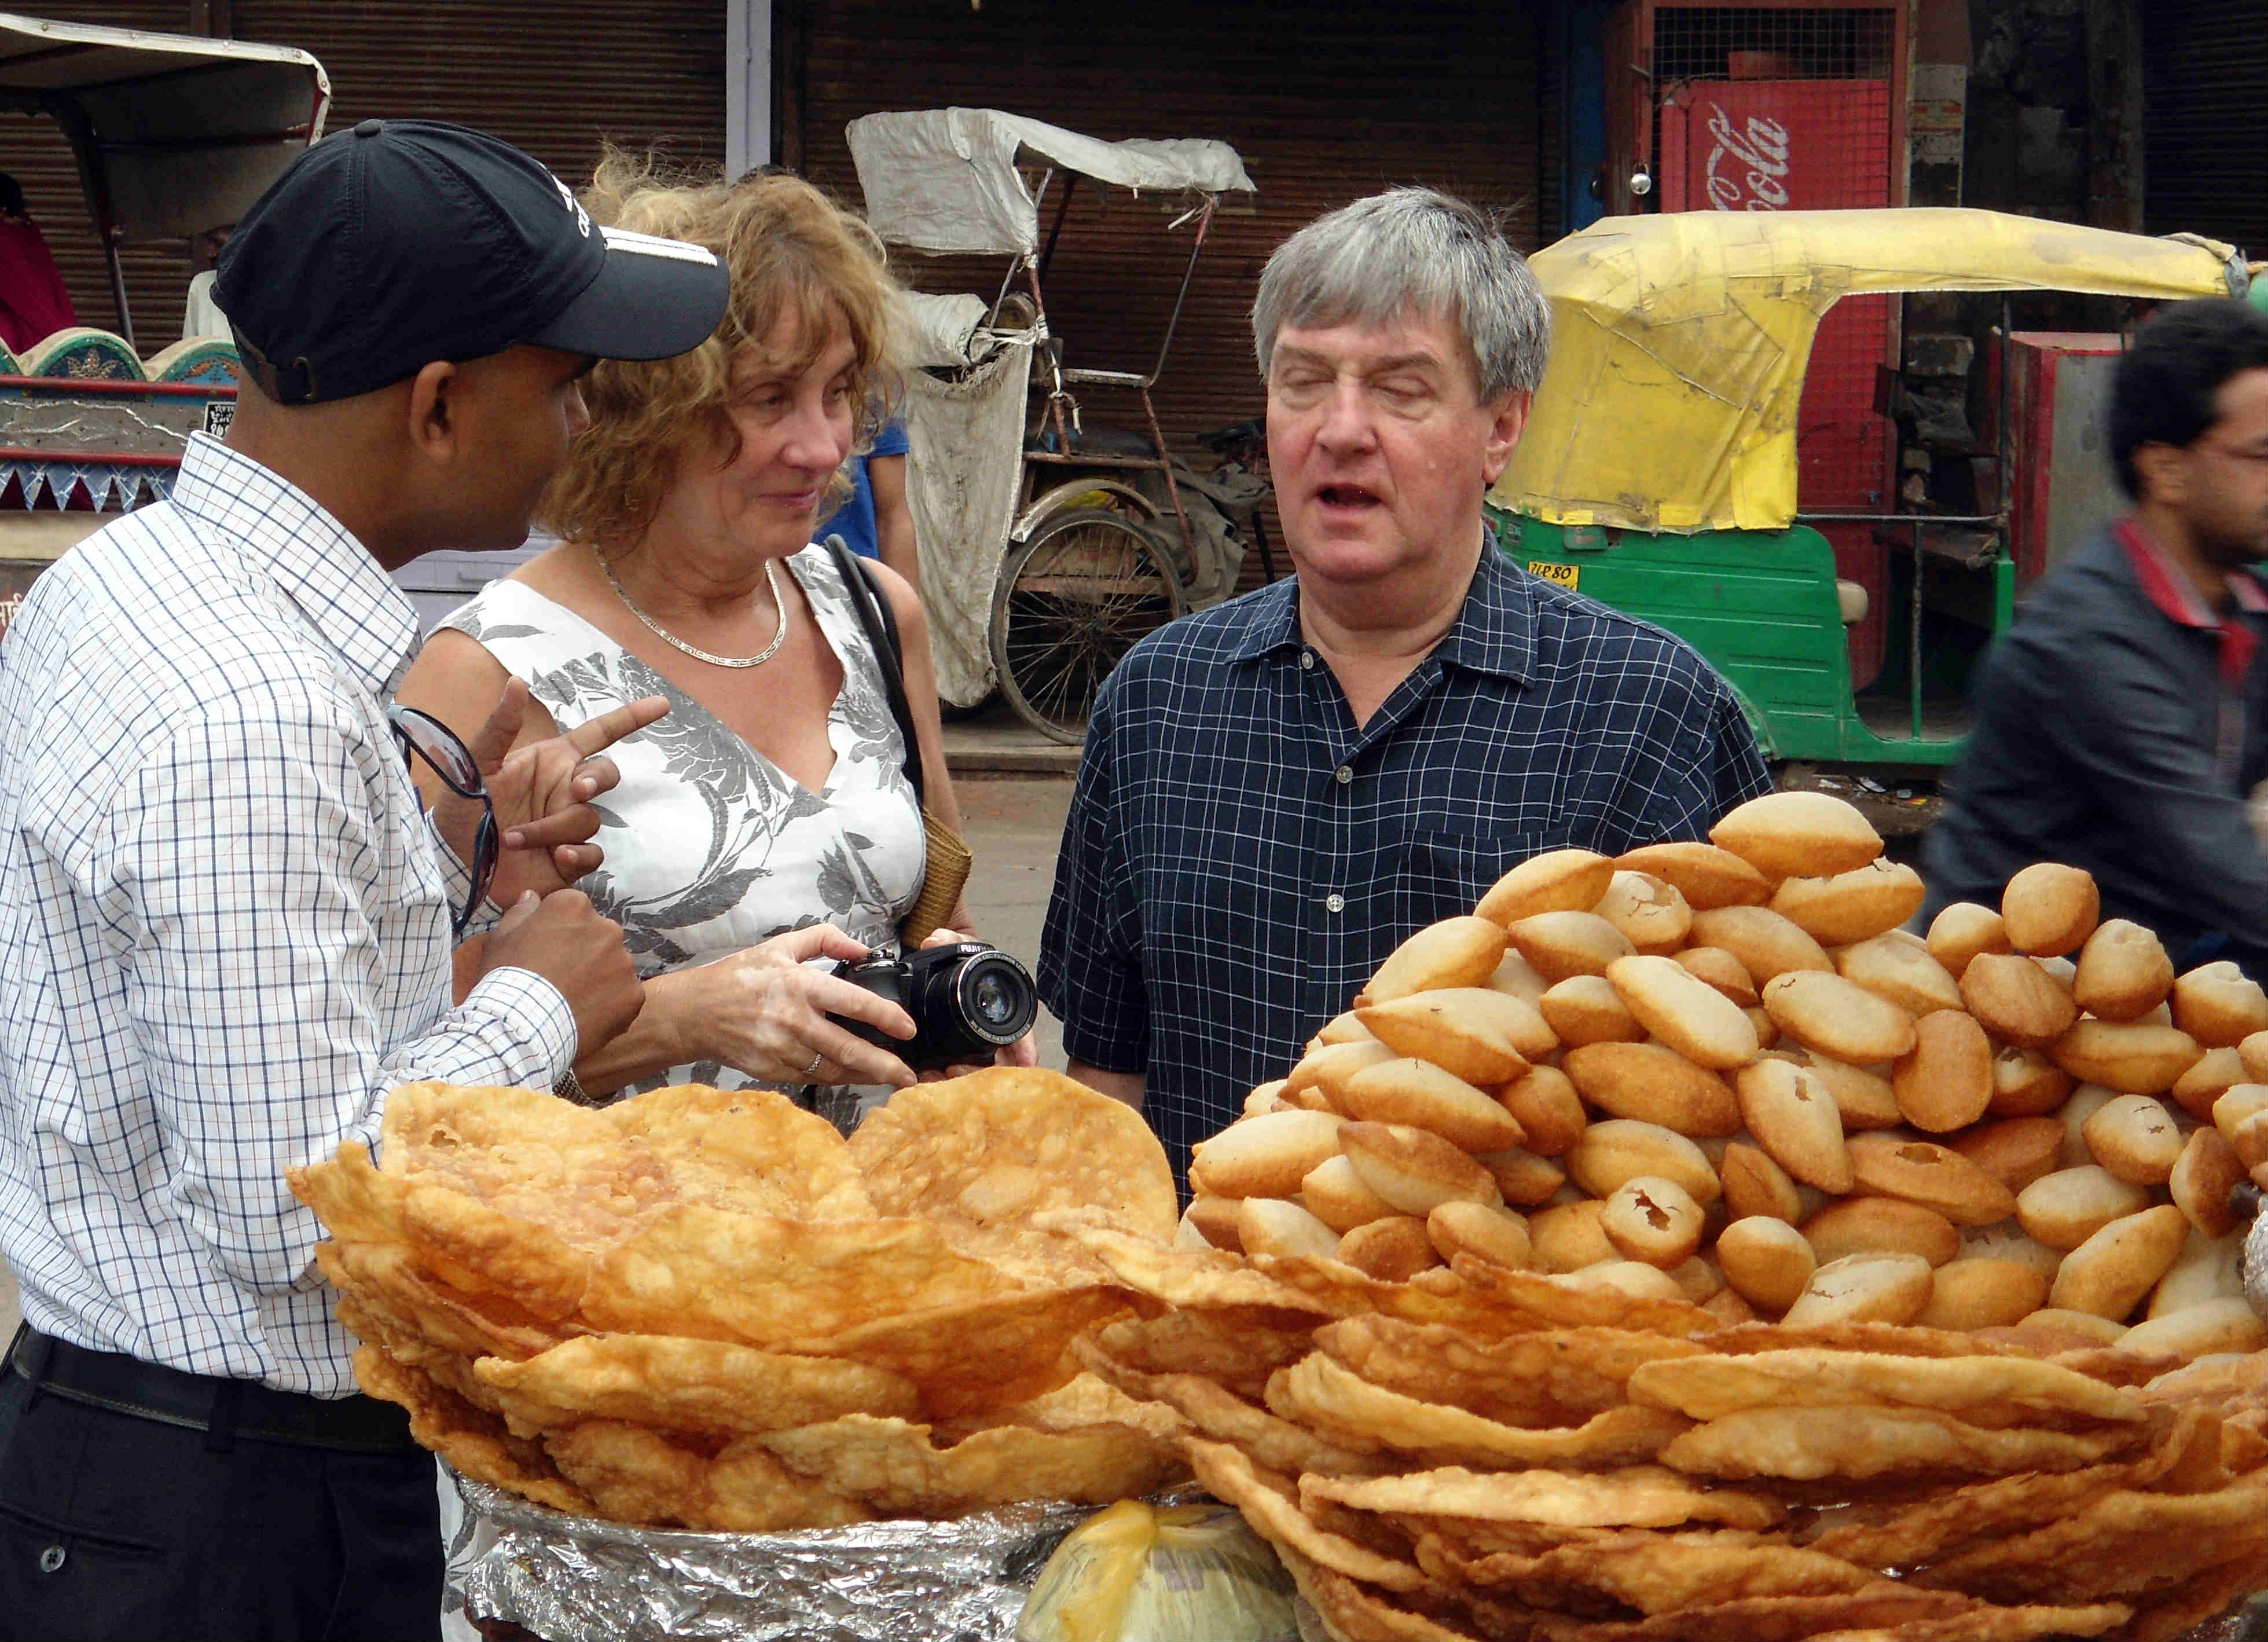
1025	1051
764	1012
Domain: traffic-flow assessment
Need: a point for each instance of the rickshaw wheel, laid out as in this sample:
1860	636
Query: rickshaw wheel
1071	602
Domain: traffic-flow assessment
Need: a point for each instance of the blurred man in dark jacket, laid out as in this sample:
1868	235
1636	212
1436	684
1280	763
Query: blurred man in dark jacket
2123	719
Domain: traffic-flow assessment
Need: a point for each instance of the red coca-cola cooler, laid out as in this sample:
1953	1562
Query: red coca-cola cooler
1769	145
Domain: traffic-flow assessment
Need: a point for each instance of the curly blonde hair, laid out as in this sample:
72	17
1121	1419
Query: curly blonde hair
790	249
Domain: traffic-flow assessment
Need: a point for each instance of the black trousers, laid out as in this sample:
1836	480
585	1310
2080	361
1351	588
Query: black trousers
115	1526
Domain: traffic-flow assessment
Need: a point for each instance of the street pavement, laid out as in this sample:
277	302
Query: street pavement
1012	823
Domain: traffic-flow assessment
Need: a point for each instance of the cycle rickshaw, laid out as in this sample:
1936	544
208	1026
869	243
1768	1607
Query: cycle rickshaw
1051	543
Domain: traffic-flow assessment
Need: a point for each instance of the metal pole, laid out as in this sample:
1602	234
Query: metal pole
1914	638
118	287
1205	220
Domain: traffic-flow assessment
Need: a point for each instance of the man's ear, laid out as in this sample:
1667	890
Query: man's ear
433	427
2161	473
1510	417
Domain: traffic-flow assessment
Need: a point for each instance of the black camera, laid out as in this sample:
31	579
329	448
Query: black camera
967	1000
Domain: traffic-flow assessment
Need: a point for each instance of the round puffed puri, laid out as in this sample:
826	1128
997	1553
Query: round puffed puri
2211	1329
1982	1293
1882	1225
1854	906
1705	875
1416	1092
1327	1069
1557	880
1796	1122
1264	1157
1653	1219
1900	968
1548	1108
1825	1012
1587	1009
2063	1209
1865	1098
1522	1176
2109	1274
2124	972
1334	1195
2014	1151
1798	835
1888	1164
1684	1011
1765	943
1392	1250
1270	1226
1755	1185
1516	977
1559	945
2218	1005
2015	1000
1216	1220
1456	951
2135	1138
2049	909
1945	1081
1481	1036
1655	1084
1415	1169
1648	911
2204	1175
1766	1262
2139	1058
2216	1072
1623	1148
1722	970
1496	1235
2026	1083
1570	1236
1864	1288
1962	931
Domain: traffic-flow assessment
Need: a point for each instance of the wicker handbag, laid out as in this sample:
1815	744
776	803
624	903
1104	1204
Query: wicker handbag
949	860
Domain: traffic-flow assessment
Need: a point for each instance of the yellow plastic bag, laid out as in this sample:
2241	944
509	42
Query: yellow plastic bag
1188	1573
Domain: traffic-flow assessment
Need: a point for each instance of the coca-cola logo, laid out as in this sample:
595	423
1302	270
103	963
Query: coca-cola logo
1758	157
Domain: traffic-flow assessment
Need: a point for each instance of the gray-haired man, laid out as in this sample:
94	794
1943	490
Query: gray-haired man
1277	792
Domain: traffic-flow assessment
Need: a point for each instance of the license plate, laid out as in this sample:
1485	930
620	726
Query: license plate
1565	575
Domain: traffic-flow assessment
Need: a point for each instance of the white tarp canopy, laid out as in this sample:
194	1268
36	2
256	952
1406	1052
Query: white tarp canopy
945	180
174	133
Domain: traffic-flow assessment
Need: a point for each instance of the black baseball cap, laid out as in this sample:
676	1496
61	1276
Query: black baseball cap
397	242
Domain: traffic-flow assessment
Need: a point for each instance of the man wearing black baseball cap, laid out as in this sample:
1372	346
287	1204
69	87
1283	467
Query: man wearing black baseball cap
227	925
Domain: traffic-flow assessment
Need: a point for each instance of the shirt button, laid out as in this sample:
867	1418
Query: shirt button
1345	774
1307	660
52	1559
1334	904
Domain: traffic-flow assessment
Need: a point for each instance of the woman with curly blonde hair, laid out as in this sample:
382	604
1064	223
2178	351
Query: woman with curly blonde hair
768	820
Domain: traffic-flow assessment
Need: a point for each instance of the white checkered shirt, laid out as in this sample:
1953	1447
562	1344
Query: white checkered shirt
224	926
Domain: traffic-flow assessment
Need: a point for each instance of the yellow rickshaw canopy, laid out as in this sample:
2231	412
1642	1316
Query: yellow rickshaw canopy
1680	342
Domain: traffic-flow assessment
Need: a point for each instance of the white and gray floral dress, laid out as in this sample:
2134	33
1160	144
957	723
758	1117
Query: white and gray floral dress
710	847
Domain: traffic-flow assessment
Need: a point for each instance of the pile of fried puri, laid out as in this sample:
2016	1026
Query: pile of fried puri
1675	1248
704	1309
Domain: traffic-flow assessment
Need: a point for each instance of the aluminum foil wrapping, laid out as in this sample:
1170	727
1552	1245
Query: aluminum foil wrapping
2255	1262
578	1579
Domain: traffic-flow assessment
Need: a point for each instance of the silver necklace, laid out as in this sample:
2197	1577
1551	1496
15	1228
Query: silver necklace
771	580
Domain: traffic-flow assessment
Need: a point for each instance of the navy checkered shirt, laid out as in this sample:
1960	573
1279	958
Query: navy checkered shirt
1240	856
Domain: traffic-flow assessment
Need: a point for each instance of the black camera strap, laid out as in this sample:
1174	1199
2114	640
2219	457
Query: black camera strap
880	623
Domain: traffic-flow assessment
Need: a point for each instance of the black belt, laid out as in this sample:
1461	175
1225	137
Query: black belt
223	1410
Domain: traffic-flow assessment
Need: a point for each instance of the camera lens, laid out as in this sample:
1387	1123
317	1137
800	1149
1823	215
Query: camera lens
998	1001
